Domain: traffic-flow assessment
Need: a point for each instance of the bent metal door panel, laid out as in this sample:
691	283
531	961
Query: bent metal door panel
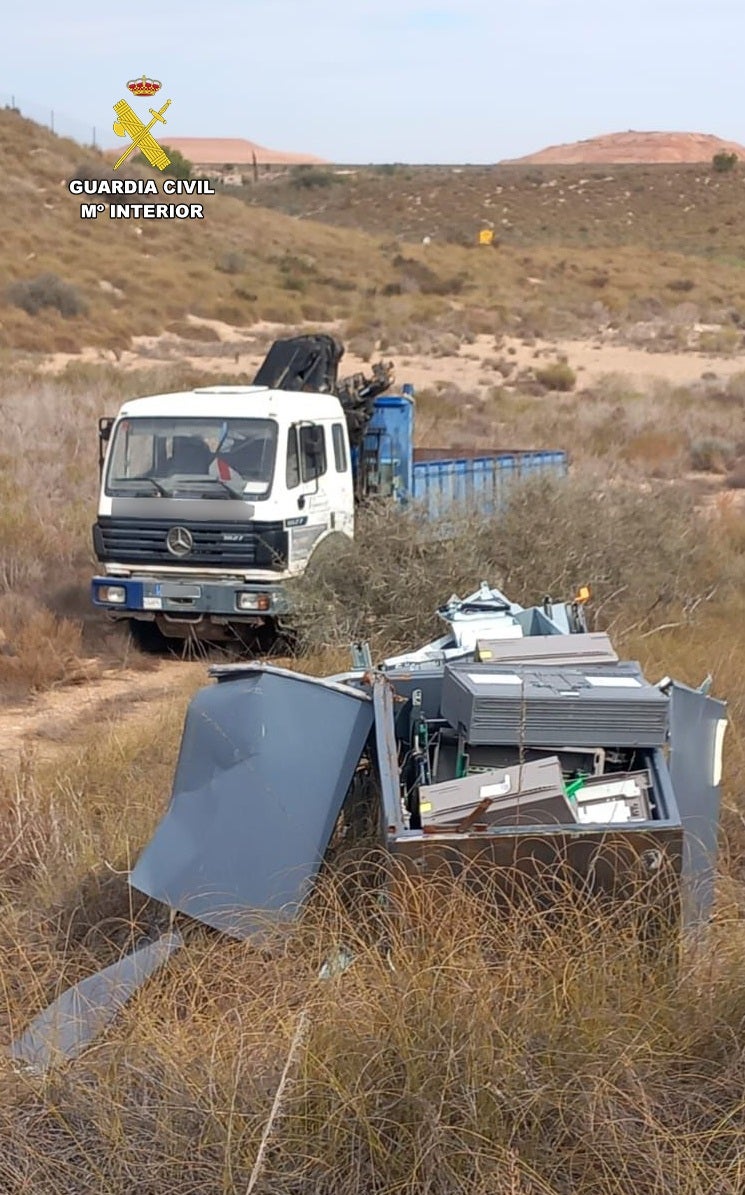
697	728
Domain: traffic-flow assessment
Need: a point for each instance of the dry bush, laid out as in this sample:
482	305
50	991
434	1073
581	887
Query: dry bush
38	650
557	376
661	452
231	263
186	330
724	341
637	551
47	290
735	479
712	455
736	387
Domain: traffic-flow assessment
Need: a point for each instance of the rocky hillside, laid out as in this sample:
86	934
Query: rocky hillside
635	148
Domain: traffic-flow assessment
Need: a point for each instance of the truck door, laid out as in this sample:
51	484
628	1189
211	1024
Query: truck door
307	486
341	486
697	726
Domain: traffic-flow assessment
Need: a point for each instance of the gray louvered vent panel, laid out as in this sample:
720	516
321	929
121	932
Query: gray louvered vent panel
542	705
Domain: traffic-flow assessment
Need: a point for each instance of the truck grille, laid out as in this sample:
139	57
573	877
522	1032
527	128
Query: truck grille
226	545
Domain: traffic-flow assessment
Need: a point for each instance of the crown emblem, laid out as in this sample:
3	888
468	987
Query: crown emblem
144	86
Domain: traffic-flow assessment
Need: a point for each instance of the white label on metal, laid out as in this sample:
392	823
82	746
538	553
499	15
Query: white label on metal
613	788
501	678
716	778
152	603
613	682
605	813
495	790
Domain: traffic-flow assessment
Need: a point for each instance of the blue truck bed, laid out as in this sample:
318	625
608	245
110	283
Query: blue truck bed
436	479
482	481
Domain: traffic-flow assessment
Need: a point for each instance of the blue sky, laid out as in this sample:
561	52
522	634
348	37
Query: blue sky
387	80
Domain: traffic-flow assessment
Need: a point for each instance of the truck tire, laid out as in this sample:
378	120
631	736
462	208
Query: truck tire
147	637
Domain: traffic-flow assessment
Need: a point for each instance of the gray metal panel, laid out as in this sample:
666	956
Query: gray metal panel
542	705
386	751
528	794
697	727
266	761
549	649
63	1029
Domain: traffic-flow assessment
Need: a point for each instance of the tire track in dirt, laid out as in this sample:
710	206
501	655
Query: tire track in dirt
51	721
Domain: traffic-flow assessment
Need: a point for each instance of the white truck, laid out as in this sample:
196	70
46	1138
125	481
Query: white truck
212	499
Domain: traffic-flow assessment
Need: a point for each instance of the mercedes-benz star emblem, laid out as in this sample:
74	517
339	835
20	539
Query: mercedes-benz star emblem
179	541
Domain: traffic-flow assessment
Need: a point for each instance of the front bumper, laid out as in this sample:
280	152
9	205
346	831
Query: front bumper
224	601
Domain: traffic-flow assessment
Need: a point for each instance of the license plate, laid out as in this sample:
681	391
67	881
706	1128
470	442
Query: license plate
178	589
152	603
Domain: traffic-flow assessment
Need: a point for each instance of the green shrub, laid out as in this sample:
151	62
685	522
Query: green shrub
724	163
310	176
47	290
723	340
559	375
231	263
180	167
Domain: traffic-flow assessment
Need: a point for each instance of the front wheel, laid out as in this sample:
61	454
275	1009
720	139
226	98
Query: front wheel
147	637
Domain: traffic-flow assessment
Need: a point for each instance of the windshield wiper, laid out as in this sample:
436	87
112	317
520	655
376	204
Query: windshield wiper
202	481
119	481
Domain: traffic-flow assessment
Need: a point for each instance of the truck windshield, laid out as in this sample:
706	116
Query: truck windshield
217	456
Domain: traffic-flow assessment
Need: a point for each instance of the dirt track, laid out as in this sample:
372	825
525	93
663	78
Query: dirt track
236	352
53	720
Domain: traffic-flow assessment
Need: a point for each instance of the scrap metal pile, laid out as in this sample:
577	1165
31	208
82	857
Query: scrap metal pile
517	742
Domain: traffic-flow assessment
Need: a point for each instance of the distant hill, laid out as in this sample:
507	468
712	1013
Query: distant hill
634	148
235	151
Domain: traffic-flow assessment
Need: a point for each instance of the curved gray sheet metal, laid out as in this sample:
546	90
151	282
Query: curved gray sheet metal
266	760
64	1029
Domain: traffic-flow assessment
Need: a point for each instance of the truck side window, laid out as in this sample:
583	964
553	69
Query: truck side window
340	448
293	460
312	451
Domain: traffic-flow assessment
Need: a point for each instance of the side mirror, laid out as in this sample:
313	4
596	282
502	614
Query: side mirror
104	435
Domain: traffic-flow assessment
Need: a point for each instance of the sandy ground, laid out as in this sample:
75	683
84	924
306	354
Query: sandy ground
241	351
51	721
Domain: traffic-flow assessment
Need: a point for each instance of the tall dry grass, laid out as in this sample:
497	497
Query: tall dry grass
49	632
468	1047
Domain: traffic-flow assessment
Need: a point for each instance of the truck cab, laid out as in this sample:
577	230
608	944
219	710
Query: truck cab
210	499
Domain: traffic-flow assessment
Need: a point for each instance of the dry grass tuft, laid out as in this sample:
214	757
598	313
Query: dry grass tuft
559	375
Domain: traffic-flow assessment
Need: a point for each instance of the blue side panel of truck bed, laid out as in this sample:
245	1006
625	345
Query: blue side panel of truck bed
436	482
482	483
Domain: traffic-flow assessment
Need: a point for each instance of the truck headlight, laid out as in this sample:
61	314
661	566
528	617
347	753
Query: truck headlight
115	594
253	601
